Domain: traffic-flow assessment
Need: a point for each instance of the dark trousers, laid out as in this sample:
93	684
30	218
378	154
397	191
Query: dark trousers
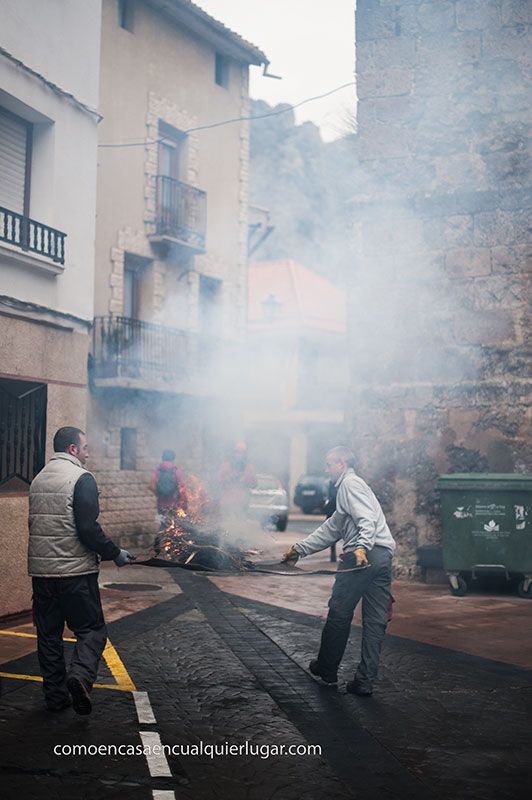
372	585
76	601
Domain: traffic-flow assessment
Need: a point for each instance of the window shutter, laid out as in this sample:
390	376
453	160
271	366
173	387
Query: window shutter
13	144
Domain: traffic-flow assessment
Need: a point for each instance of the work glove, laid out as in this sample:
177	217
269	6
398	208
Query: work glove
124	558
290	557
361	559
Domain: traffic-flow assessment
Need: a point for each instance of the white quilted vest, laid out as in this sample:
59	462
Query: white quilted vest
54	549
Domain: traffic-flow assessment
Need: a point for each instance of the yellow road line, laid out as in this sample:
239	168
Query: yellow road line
31	635
115	664
112	659
38	678
20	677
114	686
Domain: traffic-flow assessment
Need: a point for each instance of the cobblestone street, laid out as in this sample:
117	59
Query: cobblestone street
219	668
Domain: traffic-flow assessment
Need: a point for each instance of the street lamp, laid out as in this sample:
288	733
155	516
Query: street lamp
271	307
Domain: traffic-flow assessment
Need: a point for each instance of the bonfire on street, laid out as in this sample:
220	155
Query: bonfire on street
195	538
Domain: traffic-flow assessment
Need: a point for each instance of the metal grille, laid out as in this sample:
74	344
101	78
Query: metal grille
131	348
22	431
28	234
128	347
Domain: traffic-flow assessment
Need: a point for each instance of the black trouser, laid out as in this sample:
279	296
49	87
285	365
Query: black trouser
372	585
76	601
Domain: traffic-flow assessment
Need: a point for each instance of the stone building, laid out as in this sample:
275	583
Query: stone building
298	369
48	138
171	247
440	334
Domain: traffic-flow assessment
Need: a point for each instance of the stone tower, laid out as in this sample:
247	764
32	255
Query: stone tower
439	334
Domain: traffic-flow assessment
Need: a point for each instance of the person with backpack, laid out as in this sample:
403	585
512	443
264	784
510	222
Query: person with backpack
168	485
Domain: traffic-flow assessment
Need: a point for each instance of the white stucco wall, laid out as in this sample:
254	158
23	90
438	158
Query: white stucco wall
61	42
57	38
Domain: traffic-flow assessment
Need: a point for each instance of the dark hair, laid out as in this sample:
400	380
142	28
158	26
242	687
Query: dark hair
168	455
65	437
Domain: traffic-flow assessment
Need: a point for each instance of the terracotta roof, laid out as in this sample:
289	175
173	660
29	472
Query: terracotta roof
191	16
301	298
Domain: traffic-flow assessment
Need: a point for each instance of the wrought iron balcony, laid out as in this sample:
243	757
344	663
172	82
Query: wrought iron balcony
181	213
133	354
130	348
28	234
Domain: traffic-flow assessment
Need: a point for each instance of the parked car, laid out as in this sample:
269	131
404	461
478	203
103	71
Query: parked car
268	502
312	493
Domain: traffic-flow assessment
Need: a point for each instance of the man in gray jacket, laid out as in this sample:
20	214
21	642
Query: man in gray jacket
365	572
66	544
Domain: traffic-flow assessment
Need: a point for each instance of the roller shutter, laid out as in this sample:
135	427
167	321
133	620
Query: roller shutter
13	153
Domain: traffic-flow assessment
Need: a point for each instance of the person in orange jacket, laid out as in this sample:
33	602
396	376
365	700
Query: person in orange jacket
237	476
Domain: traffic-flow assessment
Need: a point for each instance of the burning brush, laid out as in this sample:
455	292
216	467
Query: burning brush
192	538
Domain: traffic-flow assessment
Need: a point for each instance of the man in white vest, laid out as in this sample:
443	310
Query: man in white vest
364	573
66	545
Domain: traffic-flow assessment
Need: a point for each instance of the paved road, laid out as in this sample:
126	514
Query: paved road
216	668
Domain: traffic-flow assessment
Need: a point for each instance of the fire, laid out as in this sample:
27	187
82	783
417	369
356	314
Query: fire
191	535
197	498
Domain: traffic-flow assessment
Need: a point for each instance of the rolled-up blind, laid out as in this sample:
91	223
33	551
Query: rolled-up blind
13	154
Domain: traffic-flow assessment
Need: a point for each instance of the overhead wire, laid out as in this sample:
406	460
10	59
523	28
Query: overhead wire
231	121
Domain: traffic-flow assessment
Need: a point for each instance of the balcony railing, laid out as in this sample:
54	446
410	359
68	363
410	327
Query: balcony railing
181	212
28	234
130	353
130	348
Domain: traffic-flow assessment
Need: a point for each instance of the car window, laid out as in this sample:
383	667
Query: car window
267	482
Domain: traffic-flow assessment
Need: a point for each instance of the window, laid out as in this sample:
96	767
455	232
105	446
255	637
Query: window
126	15
209	304
128	448
309	356
171	194
22	432
172	155
131	293
133	268
21	144
15	160
221	70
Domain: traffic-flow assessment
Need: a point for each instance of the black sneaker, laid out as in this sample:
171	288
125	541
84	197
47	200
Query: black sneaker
328	680
353	687
80	696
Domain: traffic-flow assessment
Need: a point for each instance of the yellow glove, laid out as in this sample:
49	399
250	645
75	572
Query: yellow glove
361	559
290	557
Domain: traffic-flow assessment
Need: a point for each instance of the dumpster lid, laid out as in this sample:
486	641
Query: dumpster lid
485	480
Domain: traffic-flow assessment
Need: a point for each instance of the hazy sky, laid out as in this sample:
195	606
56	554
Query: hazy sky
310	43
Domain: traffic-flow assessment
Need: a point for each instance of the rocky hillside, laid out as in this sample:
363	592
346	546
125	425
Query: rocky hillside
305	183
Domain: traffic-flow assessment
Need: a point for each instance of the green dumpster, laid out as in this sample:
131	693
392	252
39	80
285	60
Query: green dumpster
487	526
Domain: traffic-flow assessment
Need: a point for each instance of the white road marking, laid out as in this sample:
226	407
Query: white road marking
144	709
163	794
157	763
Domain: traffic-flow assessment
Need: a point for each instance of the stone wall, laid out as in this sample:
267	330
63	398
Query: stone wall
53	351
440	335
127	507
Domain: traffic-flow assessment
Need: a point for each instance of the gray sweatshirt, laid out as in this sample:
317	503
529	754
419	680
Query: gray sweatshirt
358	520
